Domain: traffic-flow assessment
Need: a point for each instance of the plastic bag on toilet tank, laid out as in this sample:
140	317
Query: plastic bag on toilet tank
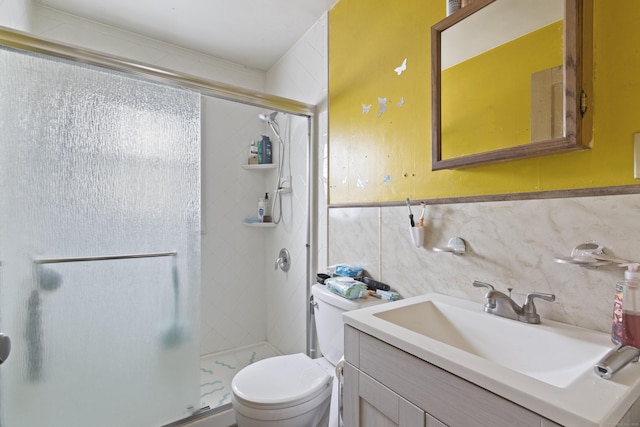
348	270
346	287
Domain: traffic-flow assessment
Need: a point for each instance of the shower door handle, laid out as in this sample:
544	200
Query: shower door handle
5	347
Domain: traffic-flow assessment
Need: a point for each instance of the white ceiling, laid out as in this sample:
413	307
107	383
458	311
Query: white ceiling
255	33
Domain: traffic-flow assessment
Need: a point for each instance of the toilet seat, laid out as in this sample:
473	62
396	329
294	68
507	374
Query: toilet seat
280	382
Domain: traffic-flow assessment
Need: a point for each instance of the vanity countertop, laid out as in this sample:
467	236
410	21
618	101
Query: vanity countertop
570	393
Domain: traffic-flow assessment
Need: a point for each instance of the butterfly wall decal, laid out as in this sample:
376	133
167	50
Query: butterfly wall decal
382	102
399	70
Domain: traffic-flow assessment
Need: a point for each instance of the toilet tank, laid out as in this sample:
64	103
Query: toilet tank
328	318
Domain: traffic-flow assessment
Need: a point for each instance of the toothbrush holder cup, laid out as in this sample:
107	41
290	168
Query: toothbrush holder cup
417	236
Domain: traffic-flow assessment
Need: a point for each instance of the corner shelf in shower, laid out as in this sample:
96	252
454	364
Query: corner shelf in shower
261	167
267	166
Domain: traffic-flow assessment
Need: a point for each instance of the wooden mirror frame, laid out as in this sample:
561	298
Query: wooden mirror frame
574	94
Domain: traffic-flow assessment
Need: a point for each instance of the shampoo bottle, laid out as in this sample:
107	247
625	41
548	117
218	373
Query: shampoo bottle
260	210
260	152
267	149
625	328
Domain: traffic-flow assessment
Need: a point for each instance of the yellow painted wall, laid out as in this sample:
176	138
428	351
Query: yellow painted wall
388	158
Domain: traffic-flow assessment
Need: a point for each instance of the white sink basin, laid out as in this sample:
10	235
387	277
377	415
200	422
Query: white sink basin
547	368
557	355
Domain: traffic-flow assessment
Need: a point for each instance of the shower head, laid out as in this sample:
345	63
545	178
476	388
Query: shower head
268	118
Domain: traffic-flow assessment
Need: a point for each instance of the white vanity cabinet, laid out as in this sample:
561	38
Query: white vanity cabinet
385	386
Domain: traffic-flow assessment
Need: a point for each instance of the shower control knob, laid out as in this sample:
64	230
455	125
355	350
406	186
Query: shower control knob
5	347
283	261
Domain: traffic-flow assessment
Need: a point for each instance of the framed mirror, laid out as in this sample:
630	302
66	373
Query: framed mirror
507	82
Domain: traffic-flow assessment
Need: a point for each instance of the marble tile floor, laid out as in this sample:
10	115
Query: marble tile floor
217	371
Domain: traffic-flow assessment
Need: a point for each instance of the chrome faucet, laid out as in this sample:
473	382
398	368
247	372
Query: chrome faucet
502	305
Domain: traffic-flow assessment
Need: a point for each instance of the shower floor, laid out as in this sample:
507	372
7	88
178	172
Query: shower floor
217	371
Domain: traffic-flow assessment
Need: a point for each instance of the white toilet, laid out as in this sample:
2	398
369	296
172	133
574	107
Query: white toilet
295	390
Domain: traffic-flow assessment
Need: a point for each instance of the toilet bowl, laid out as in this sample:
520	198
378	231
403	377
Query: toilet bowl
295	390
286	391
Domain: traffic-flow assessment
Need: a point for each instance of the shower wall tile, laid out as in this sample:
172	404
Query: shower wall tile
286	291
233	255
509	244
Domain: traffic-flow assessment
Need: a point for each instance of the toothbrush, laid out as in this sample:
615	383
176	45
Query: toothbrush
421	219
413	224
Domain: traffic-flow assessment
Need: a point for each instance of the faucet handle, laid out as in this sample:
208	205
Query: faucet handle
529	306
529	313
479	284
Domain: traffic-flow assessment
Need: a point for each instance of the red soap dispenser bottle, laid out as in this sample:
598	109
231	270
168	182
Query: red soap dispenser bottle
626	308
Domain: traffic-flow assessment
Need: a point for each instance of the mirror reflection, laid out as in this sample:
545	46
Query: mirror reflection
500	81
493	74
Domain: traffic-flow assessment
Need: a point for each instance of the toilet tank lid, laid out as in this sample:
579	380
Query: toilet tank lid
289	379
322	293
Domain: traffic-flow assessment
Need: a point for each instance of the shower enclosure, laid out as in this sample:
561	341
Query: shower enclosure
100	231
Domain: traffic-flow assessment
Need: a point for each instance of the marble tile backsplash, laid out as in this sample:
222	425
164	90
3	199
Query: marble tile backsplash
509	244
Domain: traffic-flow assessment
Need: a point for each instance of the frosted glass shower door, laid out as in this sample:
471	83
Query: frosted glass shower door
99	246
